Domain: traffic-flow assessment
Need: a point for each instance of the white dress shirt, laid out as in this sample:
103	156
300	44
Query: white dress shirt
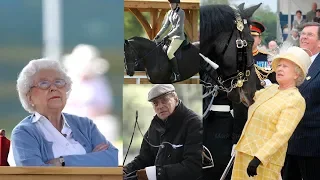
314	57
62	145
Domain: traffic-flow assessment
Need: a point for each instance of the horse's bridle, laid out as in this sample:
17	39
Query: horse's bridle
136	54
136	61
243	67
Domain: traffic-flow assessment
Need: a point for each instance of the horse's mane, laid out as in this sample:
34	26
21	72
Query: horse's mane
141	39
214	20
138	38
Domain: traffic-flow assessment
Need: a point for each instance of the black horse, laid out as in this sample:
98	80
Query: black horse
225	39
142	52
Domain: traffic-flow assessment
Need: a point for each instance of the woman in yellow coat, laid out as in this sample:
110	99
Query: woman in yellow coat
272	119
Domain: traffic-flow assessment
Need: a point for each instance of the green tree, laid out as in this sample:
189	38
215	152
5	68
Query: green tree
269	20
132	26
206	2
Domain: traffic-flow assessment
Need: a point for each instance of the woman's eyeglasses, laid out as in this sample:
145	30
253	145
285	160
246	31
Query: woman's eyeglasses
60	83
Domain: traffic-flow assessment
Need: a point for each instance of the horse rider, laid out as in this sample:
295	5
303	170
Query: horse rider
175	17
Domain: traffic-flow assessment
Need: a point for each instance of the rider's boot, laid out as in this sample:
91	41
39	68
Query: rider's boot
175	70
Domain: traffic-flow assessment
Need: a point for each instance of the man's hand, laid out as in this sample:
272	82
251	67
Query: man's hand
142	174
252	167
101	147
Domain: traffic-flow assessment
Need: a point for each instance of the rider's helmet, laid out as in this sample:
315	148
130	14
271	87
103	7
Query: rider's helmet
174	1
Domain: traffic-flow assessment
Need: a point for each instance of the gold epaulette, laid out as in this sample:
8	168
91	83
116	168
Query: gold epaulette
264	52
255	52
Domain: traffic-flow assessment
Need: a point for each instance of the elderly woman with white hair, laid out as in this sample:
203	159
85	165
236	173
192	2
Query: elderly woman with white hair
49	137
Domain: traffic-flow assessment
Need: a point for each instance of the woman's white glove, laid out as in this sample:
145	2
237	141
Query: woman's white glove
268	83
234	151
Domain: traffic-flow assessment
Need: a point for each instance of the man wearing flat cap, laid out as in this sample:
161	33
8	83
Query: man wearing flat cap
172	146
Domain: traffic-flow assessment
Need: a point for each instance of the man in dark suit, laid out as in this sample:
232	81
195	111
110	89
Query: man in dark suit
4	148
303	155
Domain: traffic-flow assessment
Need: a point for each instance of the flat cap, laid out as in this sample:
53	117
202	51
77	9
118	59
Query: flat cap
160	90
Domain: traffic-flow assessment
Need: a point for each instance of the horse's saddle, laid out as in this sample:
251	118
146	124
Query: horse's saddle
184	45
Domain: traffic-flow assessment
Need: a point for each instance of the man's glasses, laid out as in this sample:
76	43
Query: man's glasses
59	83
309	34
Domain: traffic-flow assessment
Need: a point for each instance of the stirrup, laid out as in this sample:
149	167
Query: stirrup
178	75
174	77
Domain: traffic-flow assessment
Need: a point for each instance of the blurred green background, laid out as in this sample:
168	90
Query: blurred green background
135	98
98	23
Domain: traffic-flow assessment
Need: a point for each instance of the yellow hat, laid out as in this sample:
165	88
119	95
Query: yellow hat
296	55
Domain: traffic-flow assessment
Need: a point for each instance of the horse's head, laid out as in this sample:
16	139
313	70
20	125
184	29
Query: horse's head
129	60
226	40
135	50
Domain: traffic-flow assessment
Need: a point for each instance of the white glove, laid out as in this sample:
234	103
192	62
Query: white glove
234	151
231	112
268	82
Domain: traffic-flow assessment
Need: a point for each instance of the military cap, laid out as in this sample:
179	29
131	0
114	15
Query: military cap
160	90
257	28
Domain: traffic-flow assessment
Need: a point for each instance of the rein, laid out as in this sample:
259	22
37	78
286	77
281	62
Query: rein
136	54
243	67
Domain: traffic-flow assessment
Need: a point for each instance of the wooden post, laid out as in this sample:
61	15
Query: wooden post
153	18
188	25
194	23
143	21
